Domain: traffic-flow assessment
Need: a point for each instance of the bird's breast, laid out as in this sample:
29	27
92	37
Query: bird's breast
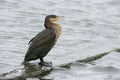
57	31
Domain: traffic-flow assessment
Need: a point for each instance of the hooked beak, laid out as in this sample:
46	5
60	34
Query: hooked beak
60	16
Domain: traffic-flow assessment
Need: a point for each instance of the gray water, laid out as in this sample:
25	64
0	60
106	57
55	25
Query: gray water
85	23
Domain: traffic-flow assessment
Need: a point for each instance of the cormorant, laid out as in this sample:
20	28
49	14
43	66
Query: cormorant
44	41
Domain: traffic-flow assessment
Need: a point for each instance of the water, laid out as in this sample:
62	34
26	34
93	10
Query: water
106	68
85	23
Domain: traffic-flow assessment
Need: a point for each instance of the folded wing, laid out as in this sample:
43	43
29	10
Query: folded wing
40	45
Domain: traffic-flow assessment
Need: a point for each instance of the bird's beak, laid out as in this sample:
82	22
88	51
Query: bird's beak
60	16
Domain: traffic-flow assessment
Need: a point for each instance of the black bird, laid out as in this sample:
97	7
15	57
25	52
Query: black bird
44	41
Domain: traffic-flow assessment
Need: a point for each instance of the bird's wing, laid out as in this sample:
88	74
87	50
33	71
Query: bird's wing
37	36
31	40
43	36
42	40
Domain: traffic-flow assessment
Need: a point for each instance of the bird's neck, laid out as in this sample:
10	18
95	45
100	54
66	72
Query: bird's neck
49	25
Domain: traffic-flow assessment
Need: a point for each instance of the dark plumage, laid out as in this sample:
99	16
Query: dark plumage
44	41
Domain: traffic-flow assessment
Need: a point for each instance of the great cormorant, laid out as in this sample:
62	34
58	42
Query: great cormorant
44	41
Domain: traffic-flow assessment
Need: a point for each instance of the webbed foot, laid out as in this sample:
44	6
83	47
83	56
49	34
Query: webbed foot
47	64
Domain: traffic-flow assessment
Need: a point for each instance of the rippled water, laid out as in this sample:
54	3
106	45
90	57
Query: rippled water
85	23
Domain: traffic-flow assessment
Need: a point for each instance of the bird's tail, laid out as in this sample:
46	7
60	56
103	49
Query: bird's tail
23	63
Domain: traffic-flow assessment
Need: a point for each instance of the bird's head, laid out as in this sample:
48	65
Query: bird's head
50	19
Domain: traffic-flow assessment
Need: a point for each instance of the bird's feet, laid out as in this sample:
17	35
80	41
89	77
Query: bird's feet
47	64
